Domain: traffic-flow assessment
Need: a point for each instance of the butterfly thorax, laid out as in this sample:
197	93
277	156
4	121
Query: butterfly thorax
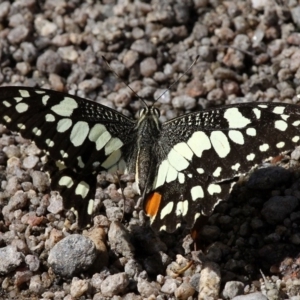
148	130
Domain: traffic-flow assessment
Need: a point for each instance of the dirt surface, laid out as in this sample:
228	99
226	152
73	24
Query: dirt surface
248	51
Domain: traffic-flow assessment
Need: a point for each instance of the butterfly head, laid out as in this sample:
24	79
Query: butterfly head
149	115
149	111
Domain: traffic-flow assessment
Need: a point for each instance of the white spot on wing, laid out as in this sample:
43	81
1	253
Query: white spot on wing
162	228
49	142
7	119
65	107
197	215
236	136
66	181
166	210
59	164
162	174
121	166
295	139
184	150
182	208
250	157
220	143
24	93
279	110
251	131
280	145
96	131
21	107
177	161
200	170
236	166
21	126
113	145
281	125
181	178
284	117
45	99
214	189
79	132
90	207
80	163
296	123
197	192
99	135
96	164
64	124
257	113
63	154
264	147
112	159
172	174
37	131
82	189
217	172
235	118
49	118
199	142
6	103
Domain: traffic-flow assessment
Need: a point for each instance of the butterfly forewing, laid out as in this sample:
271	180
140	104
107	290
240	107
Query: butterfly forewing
207	150
76	131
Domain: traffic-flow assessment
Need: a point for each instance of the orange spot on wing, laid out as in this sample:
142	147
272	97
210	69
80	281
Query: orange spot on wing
152	204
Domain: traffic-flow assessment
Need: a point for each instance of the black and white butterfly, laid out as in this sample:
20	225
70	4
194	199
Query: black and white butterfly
183	167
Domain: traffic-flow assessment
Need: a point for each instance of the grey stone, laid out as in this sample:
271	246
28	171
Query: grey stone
120	240
40	180
146	289
18	34
233	289
49	62
148	67
72	255
114	284
33	262
143	47
10	259
184	102
295	11
253	296
4	9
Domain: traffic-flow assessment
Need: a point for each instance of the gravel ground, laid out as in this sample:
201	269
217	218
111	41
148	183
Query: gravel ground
248	51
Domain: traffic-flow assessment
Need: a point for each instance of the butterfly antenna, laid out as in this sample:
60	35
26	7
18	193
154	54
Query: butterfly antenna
193	63
107	63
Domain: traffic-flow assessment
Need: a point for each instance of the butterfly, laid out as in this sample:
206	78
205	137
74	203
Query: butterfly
183	167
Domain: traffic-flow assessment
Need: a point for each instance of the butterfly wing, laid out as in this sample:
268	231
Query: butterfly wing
82	136
206	151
